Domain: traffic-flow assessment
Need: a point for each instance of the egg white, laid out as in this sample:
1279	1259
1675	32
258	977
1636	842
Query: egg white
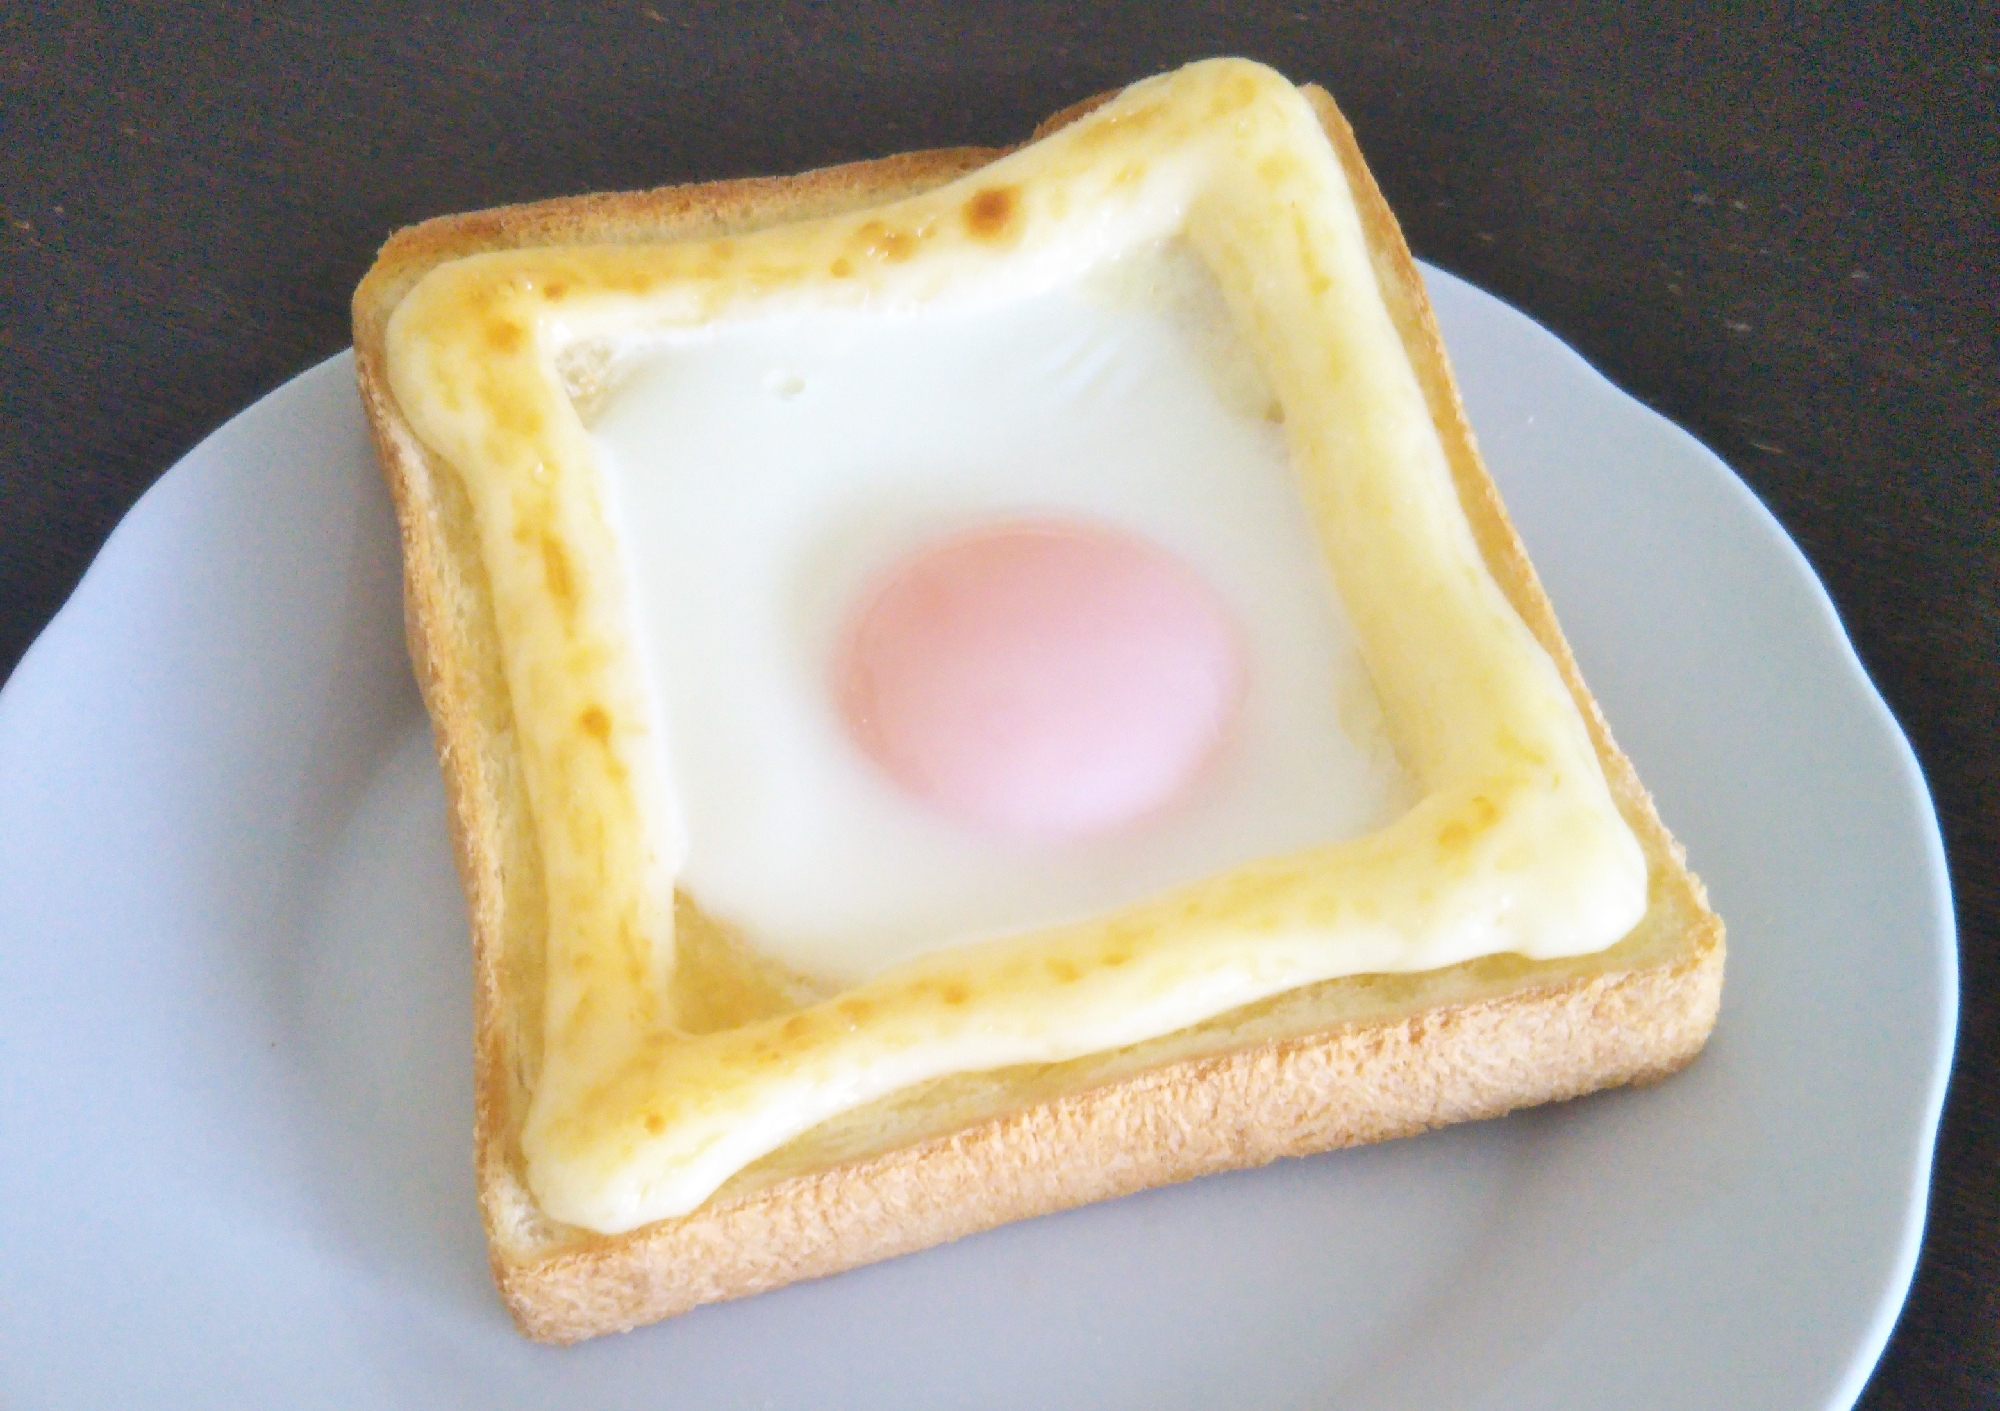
760	472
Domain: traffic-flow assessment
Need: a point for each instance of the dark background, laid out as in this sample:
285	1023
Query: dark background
1776	227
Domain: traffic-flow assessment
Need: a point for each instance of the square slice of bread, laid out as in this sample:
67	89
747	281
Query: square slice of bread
1334	1064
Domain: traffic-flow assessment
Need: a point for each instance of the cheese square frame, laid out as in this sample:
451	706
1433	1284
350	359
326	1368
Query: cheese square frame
1515	845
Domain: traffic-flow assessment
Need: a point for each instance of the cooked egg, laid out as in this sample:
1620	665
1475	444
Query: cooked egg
767	475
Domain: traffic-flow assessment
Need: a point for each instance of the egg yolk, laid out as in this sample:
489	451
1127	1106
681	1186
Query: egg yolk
1052	680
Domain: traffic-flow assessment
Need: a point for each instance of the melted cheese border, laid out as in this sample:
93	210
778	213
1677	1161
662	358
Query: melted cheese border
1515	844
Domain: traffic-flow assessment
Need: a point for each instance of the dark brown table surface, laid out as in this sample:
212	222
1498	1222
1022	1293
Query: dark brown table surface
1780	232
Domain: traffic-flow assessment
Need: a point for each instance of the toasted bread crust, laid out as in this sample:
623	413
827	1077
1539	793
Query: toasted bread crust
1474	1042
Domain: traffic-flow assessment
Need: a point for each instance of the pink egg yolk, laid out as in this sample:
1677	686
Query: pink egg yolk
1050	680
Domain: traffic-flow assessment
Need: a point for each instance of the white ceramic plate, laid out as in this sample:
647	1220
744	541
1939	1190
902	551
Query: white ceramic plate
235	1022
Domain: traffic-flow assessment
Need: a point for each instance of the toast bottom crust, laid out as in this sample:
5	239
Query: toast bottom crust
1360	1083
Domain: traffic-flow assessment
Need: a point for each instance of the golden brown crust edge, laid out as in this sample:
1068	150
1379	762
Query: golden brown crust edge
1355	1083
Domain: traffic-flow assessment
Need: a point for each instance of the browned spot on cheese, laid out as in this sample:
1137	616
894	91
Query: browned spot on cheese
556	572
841	268
952	992
884	242
1478	817
796	1027
990	213
655	1123
517	418
503	335
1239	91
595	723
1316	277
1278	168
1064	971
855	1009
555	291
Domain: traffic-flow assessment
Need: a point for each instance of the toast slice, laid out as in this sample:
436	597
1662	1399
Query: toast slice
1333	1064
